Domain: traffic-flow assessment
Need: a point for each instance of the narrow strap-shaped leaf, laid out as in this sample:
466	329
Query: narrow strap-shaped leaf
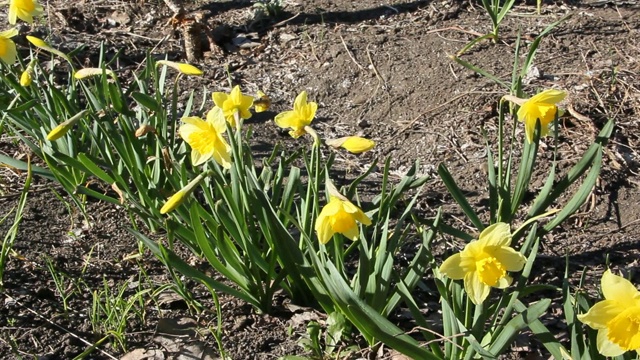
527	164
542	333
519	322
580	196
177	263
479	71
458	196
544	200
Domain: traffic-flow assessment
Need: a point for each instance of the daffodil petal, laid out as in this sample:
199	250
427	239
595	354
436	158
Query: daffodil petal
198	159
219	98
286	119
476	289
352	233
323	229
601	313
452	268
549	96
617	288
216	118
498	234
223	157
511	259
300	101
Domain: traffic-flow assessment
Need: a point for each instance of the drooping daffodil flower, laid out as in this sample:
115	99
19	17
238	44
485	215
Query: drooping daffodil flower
542	106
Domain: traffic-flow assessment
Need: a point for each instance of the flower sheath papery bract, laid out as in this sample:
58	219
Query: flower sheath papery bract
541	106
205	138
302	114
484	263
617	317
232	103
24	10
8	52
340	216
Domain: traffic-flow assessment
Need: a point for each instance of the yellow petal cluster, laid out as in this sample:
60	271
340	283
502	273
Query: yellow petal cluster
8	53
340	216
541	106
24	10
617	317
235	102
183	68
205	138
302	114
353	144
484	263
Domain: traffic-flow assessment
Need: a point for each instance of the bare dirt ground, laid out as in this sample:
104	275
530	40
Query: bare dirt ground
378	69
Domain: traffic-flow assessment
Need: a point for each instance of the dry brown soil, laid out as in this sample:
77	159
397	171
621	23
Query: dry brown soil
378	69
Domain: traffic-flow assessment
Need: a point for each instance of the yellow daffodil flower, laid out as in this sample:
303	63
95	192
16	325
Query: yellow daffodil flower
205	138
183	68
353	144
235	102
8	52
179	197
25	10
340	216
484	263
617	317
261	102
541	106
301	116
60	130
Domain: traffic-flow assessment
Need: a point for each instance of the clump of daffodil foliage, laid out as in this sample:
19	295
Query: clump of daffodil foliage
279	224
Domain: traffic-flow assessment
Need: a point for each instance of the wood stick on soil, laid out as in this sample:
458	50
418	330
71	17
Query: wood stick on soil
60	327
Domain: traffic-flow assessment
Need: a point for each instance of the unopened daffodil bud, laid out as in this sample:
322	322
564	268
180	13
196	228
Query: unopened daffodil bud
89	72
353	144
27	75
60	130
183	68
179	197
41	44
